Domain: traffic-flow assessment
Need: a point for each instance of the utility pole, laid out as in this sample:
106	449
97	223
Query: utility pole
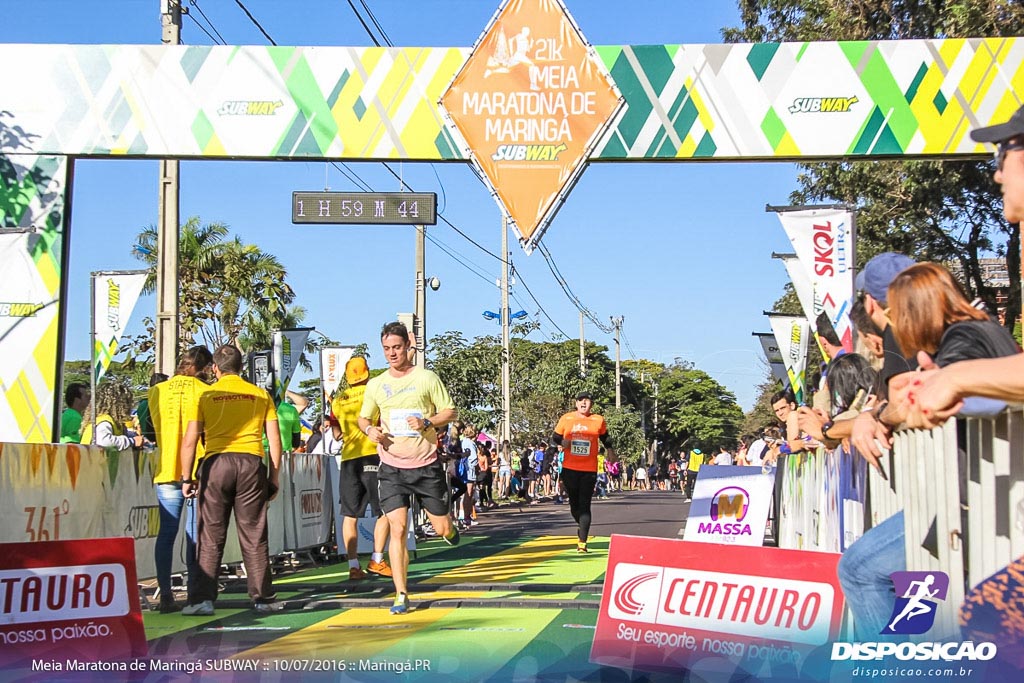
583	352
506	370
420	317
617	322
168	226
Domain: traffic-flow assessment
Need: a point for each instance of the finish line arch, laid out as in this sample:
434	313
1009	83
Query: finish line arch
782	102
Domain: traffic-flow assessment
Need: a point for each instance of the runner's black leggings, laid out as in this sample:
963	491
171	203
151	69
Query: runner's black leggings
579	489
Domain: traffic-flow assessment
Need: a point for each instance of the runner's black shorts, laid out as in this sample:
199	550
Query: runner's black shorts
429	483
357	486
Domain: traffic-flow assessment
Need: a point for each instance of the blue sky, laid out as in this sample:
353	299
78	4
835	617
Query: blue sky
682	250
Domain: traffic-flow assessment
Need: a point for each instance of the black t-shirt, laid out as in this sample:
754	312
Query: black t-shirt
974	339
895	362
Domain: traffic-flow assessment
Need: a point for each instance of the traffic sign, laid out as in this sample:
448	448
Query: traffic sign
365	208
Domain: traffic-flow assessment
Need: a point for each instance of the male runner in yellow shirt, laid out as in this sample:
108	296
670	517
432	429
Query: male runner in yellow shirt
357	483
402	409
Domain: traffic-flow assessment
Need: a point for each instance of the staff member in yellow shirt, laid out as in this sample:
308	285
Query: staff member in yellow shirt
357	483
402	410
234	415
174	403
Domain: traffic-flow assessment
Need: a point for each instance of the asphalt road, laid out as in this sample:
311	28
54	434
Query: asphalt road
658	514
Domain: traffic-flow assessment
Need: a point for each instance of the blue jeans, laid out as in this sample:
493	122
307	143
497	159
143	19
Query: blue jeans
171	501
864	571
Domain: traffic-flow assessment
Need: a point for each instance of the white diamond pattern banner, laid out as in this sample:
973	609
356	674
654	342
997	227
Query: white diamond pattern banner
791	333
288	346
31	260
114	296
823	241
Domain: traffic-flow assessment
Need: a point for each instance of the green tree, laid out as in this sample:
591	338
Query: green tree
625	434
698	412
761	415
229	292
939	211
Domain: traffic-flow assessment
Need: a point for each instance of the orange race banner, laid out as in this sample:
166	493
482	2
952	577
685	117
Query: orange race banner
531	102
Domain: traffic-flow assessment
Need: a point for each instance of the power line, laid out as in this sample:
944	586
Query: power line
209	23
201	28
564	284
536	301
360	18
376	23
253	20
625	340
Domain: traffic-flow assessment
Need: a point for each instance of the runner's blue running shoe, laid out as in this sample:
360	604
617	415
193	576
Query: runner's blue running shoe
401	605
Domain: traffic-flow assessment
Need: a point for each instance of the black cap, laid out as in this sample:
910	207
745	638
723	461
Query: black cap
1001	131
584	394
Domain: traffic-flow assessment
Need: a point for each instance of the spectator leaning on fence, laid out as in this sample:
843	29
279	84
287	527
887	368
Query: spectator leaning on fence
993	610
929	313
113	406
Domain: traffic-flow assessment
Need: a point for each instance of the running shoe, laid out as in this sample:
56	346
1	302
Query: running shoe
168	606
356	574
581	547
454	539
264	607
401	605
200	609
379	568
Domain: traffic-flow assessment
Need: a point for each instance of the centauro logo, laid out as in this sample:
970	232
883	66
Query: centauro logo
249	108
528	152
19	310
810	105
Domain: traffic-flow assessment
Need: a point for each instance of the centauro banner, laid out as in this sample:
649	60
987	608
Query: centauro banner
114	297
823	240
31	260
288	346
791	334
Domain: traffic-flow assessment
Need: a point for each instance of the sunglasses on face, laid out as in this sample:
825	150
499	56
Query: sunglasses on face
1003	148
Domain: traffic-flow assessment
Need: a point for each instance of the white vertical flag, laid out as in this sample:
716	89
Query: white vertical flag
802	284
332	367
791	333
114	296
288	346
823	241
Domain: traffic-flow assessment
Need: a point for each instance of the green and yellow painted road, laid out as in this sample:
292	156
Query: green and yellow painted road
490	609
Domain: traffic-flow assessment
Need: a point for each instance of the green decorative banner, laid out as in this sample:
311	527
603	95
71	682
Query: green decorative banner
777	101
31	255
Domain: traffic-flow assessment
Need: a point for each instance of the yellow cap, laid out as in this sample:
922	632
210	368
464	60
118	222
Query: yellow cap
356	370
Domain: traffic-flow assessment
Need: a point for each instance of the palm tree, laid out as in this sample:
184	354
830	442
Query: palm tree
228	290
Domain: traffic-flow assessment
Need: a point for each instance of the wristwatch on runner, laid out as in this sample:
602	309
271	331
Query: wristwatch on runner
427	424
